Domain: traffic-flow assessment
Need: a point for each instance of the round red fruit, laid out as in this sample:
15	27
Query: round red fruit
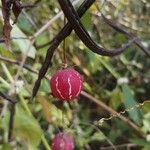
66	84
63	141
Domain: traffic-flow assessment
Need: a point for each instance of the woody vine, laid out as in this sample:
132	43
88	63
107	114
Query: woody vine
67	82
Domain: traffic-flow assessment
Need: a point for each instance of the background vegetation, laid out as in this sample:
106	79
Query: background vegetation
120	82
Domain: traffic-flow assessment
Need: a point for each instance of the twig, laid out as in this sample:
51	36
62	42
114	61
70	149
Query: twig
129	35
11	121
64	48
75	22
7	97
12	89
101	104
25	105
12	113
44	27
128	145
44	45
6	71
29	19
105	107
98	130
13	38
65	31
10	99
25	66
111	111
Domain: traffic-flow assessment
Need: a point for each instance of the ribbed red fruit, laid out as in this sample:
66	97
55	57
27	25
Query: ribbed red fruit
66	84
63	141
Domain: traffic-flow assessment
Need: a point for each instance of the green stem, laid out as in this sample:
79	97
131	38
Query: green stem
45	143
24	104
9	76
4	82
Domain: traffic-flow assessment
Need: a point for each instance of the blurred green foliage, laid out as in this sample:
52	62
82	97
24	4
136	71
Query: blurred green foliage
121	82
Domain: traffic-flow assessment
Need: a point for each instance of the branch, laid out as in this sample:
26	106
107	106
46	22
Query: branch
128	146
55	43
111	111
57	40
45	26
102	105
129	35
6	9
11	121
74	20
7	97
25	66
29	68
43	45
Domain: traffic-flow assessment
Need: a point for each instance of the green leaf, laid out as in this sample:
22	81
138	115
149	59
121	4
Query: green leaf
146	123
4	124
94	61
86	20
140	142
129	101
26	128
6	146
52	114
115	100
6	53
147	147
25	45
109	67
45	87
99	136
87	87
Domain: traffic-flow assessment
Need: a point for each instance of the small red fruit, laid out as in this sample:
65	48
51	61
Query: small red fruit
66	84
63	141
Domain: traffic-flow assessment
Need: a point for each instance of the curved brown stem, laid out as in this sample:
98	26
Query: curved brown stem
55	43
74	20
129	35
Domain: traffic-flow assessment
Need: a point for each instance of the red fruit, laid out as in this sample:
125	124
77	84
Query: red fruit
66	84
63	141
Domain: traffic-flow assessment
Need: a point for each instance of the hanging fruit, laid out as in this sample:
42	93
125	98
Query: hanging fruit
63	141
66	84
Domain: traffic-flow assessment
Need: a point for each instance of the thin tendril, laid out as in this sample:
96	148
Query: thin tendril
64	48
101	121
